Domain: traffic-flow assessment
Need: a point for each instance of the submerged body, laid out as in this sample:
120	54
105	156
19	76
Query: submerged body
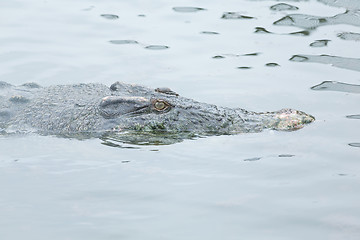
96	109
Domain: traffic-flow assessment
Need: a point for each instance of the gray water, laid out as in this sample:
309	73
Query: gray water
256	55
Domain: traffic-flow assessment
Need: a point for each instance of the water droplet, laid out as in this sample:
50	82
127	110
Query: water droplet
110	16
156	47
188	9
123	42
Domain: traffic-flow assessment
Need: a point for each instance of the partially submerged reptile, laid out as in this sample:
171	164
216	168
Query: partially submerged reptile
95	109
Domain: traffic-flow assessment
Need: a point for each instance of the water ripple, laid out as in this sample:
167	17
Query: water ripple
336	61
354	145
311	22
156	47
188	9
235	15
337	86
320	43
123	42
356	116
283	7
110	16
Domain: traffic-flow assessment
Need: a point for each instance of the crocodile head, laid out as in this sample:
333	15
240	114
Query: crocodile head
132	107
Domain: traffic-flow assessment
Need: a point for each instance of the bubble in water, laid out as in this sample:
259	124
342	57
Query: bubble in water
109	16
188	9
156	47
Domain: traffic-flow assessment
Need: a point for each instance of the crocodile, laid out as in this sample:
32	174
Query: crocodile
96	109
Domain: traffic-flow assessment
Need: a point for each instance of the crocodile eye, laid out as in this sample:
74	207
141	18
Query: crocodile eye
160	105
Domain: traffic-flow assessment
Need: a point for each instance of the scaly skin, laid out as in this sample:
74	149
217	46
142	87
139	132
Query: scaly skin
95	109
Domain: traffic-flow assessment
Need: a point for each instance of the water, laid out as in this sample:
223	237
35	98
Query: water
269	185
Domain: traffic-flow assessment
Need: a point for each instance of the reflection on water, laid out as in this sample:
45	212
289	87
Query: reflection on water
133	139
188	9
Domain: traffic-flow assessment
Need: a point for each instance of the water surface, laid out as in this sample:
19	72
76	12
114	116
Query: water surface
269	185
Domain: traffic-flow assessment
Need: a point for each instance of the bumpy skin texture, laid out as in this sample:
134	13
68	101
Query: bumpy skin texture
96	109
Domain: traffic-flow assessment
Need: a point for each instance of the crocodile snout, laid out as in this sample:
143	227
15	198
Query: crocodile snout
290	119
